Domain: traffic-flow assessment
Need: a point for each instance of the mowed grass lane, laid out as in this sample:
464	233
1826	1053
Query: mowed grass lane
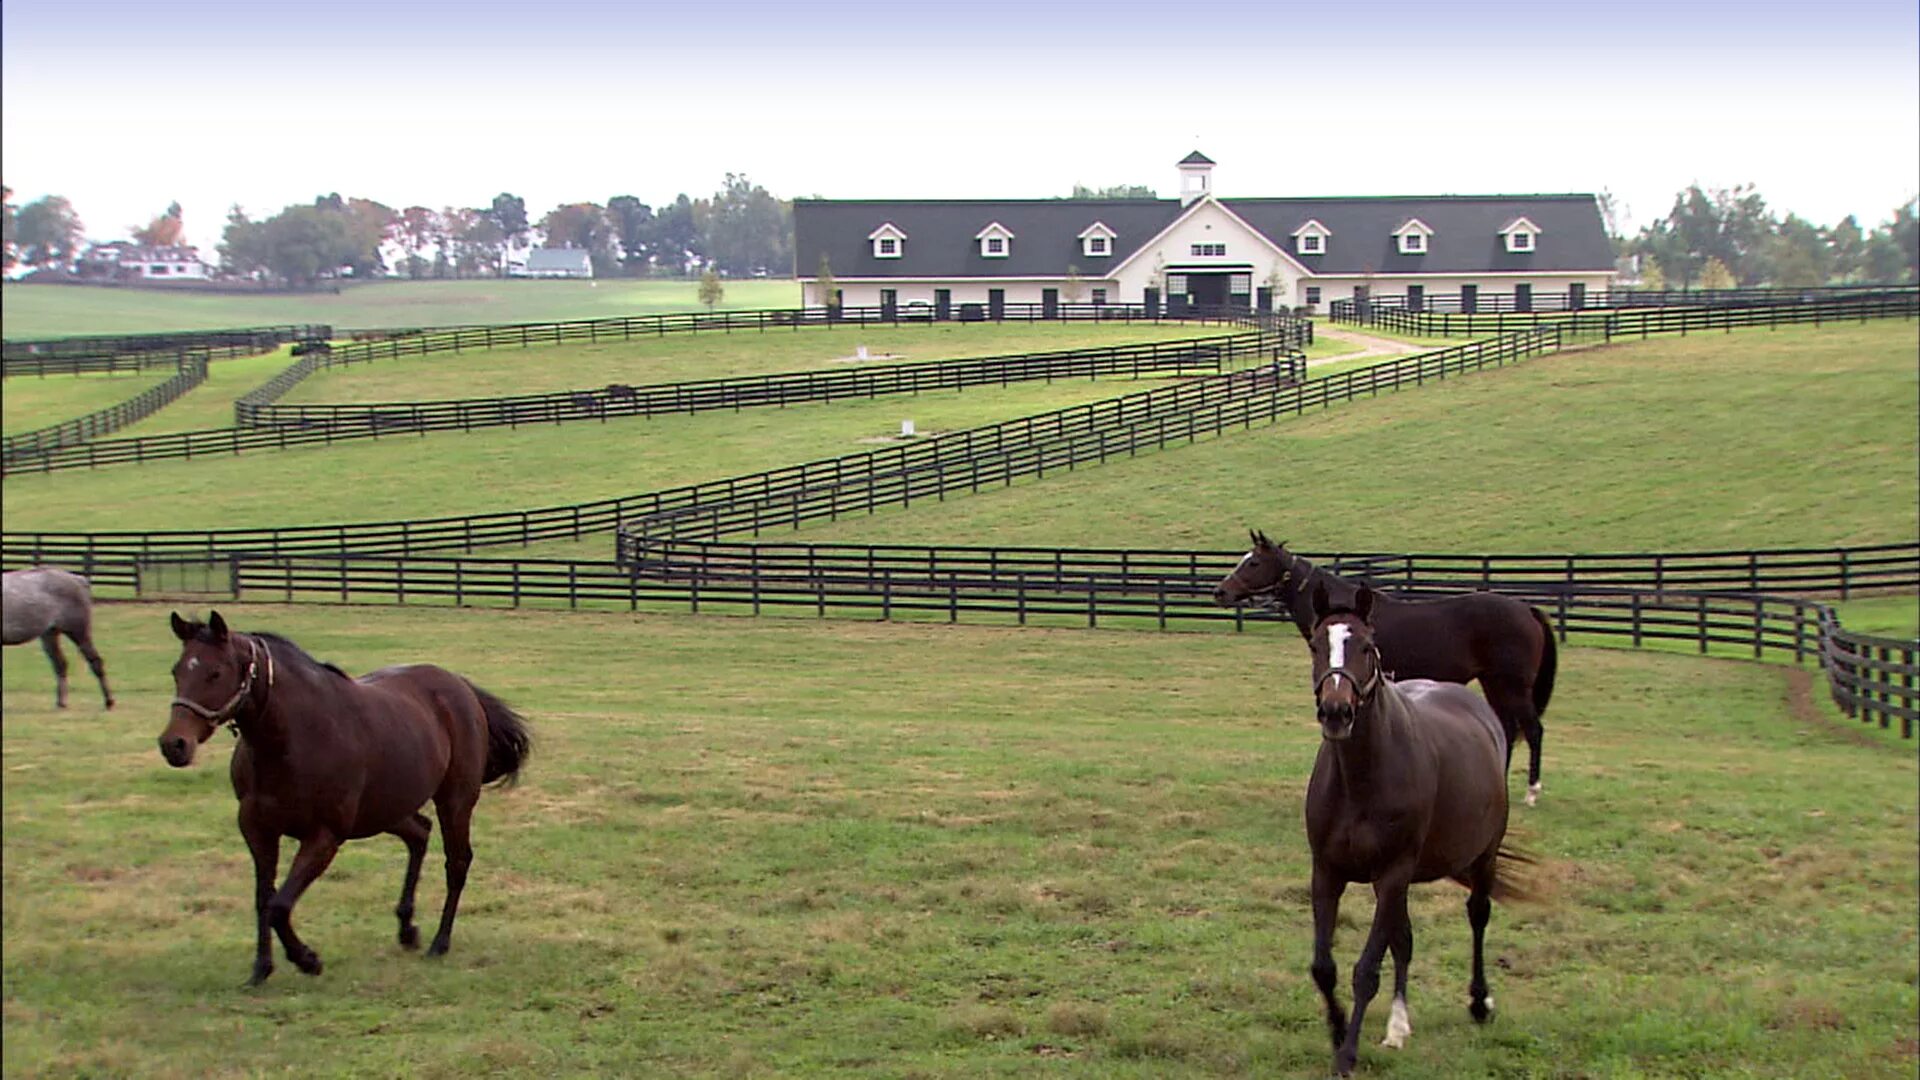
40	311
1754	439
788	847
29	402
674	358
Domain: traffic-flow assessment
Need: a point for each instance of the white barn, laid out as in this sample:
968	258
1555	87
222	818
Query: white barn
1201	249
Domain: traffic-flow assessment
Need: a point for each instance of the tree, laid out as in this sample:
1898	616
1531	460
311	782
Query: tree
1073	289
1117	191
10	251
744	229
632	222
825	283
1847	245
1652	278
1798	255
510	211
419	227
711	291
676	237
1729	224
1277	285
479	239
1715	275
242	244
584	226
163	231
303	244
48	232
1905	228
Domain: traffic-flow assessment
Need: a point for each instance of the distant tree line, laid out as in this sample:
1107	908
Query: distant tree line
1712	238
1721	238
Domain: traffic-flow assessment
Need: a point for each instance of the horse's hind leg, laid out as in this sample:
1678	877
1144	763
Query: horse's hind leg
98	666
456	815
1479	906
1518	717
1326	890
50	641
413	832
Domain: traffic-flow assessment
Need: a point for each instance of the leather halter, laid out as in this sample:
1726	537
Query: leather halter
228	713
1269	597
1364	690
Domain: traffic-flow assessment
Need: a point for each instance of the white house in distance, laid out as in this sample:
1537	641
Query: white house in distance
555	263
123	259
1201	249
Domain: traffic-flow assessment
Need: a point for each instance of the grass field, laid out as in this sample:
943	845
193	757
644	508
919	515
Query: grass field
28	403
778	848
1756	439
689	357
38	311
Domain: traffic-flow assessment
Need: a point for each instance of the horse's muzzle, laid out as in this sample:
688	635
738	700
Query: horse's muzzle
1336	724
177	749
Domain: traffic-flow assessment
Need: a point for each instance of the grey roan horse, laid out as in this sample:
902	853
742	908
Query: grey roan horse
1409	786
44	603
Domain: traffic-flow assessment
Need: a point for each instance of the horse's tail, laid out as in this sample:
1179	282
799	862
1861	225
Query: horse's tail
1549	662
1510	882
508	740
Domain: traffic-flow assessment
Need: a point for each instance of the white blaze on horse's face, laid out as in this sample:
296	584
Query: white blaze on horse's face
1337	635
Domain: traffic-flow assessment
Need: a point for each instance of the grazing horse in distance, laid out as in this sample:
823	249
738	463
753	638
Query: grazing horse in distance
45	602
1409	786
324	758
1505	643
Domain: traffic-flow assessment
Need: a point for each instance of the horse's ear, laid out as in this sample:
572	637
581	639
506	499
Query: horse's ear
218	626
1259	538
1320	604
1363	605
182	629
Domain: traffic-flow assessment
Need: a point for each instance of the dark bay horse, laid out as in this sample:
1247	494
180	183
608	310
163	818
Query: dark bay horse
1409	786
1505	643
324	758
44	602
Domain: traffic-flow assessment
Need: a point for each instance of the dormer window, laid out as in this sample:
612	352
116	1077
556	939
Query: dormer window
1311	238
1413	237
888	241
1096	241
1522	235
996	241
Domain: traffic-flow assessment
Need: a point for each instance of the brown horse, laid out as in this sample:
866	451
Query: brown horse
1409	786
324	758
1505	643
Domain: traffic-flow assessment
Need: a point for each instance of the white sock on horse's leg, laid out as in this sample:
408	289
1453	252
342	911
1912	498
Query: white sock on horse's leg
1533	793
1399	1025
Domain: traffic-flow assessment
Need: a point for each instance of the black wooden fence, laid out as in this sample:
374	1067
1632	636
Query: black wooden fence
1469	303
1632	321
14	449
1869	677
134	352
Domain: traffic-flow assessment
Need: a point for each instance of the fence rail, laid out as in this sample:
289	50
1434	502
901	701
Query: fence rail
133	352
1869	677
1464	303
1636	321
192	371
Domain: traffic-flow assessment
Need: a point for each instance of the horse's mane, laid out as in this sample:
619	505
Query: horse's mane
298	652
201	632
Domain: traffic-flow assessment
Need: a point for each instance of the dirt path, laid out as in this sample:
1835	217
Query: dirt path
1369	345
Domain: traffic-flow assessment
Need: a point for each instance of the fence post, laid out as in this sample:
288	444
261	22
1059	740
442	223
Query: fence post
1703	625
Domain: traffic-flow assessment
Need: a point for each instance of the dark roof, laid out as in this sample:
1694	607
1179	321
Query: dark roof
1196	158
940	234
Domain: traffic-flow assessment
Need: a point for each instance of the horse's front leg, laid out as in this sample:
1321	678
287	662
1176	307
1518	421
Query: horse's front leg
264	843
1326	889
1389	914
315	855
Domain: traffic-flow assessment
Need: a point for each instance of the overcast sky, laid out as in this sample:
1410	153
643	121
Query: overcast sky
126	106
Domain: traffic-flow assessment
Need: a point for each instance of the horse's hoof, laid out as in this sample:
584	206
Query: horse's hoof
309	963
1482	1011
1533	794
409	937
439	947
259	976
1399	1026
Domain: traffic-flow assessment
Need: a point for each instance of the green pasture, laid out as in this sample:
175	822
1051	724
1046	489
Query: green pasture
29	402
1793	437
497	469
689	357
785	847
39	311
1886	616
